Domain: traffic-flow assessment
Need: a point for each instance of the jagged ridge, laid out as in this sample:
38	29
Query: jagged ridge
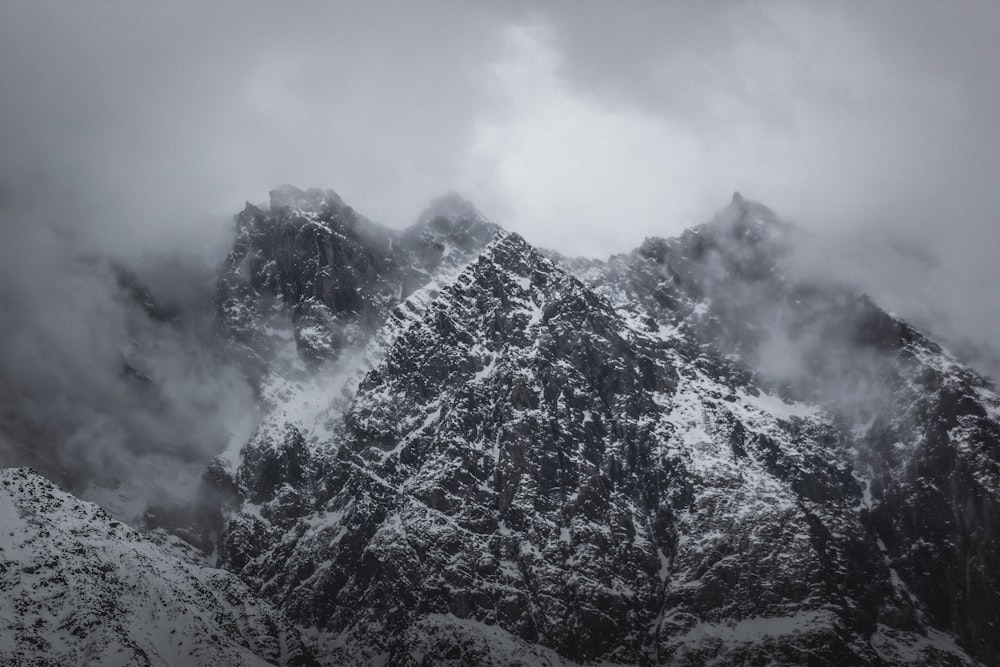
601	470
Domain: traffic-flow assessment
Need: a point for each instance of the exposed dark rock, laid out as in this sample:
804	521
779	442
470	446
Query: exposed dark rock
311	269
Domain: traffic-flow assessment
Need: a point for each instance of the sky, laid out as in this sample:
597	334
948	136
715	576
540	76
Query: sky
583	126
135	130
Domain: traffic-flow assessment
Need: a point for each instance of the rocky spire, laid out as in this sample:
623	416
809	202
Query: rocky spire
292	198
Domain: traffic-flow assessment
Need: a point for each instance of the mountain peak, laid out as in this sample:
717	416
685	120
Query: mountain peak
293	198
743	230
511	250
453	208
747	223
449	223
751	211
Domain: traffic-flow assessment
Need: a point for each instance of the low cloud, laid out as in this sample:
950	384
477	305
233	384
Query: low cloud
132	132
110	389
867	128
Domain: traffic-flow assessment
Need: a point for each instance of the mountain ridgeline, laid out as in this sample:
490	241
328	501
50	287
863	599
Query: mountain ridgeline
476	452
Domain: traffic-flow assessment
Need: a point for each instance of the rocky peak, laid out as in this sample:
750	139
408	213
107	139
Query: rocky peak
291	198
312	272
451	208
449	224
742	228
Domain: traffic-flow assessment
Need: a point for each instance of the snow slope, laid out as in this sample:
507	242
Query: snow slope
80	588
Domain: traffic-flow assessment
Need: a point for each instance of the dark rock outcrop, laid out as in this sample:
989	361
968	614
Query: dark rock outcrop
311	269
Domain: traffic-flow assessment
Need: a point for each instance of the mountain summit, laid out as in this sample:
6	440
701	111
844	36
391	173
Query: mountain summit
474	452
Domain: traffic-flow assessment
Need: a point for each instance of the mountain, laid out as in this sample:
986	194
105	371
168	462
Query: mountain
476	452
612	460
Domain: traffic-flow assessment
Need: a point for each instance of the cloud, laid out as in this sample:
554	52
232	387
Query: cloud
133	131
567	170
97	392
813	110
868	127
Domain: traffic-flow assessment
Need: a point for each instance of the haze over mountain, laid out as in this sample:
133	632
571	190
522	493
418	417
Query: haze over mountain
753	431
138	129
466	450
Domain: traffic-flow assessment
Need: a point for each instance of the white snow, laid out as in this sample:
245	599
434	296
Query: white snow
756	629
899	647
778	407
82	588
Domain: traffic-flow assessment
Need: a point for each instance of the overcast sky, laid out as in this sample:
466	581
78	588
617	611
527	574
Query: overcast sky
585	126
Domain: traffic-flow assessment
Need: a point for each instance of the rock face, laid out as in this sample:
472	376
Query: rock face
922	428
80	588
679	456
311	269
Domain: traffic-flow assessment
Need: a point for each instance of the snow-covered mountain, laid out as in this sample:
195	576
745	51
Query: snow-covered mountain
475	452
80	588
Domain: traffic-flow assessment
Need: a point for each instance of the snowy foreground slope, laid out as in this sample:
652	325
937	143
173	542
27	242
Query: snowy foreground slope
79	588
477	453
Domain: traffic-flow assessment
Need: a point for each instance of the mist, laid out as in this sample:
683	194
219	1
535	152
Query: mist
132	132
111	390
